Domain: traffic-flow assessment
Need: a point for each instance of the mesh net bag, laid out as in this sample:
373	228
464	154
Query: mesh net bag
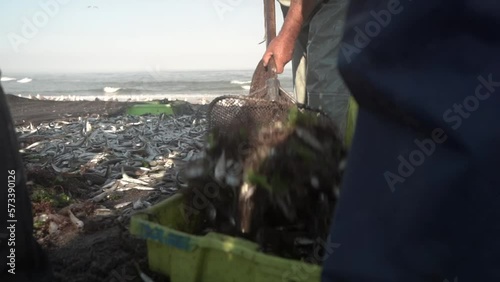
269	173
259	109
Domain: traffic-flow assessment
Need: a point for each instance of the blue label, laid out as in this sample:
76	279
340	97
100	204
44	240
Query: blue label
158	234
178	241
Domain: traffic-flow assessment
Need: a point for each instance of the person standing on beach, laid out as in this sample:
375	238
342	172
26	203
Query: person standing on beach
310	36
21	258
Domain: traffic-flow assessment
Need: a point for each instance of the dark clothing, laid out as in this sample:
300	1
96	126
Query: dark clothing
19	252
421	197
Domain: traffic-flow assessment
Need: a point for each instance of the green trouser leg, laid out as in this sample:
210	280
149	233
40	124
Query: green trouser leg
325	87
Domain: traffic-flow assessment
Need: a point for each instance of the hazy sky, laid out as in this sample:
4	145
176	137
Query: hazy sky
130	35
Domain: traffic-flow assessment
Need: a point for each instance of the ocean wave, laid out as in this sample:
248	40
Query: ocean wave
108	89
118	90
240	82
25	80
7	79
246	87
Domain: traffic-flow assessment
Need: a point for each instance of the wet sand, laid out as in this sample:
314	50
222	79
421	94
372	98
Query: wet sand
25	111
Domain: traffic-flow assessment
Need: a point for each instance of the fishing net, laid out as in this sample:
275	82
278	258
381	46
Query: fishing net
261	108
270	172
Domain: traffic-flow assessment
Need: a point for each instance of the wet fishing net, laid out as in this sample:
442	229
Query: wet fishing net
262	107
270	172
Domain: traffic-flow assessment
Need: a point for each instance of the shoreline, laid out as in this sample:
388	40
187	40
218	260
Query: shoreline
36	111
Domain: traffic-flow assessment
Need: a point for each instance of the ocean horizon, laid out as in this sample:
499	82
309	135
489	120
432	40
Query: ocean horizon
134	85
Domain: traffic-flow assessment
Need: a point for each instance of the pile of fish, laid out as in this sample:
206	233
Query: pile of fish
278	188
115	154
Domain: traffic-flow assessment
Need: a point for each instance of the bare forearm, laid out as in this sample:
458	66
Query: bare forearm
299	12
281	47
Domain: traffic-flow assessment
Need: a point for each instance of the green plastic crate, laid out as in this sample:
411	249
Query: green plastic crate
183	257
150	108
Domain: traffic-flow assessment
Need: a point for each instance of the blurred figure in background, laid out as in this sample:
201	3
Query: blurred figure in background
21	258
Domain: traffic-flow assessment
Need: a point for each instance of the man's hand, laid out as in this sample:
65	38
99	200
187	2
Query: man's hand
281	48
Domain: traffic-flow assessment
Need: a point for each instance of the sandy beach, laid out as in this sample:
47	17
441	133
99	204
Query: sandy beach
25	110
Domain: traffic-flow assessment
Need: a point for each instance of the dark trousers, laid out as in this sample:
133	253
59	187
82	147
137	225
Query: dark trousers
421	195
19	252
